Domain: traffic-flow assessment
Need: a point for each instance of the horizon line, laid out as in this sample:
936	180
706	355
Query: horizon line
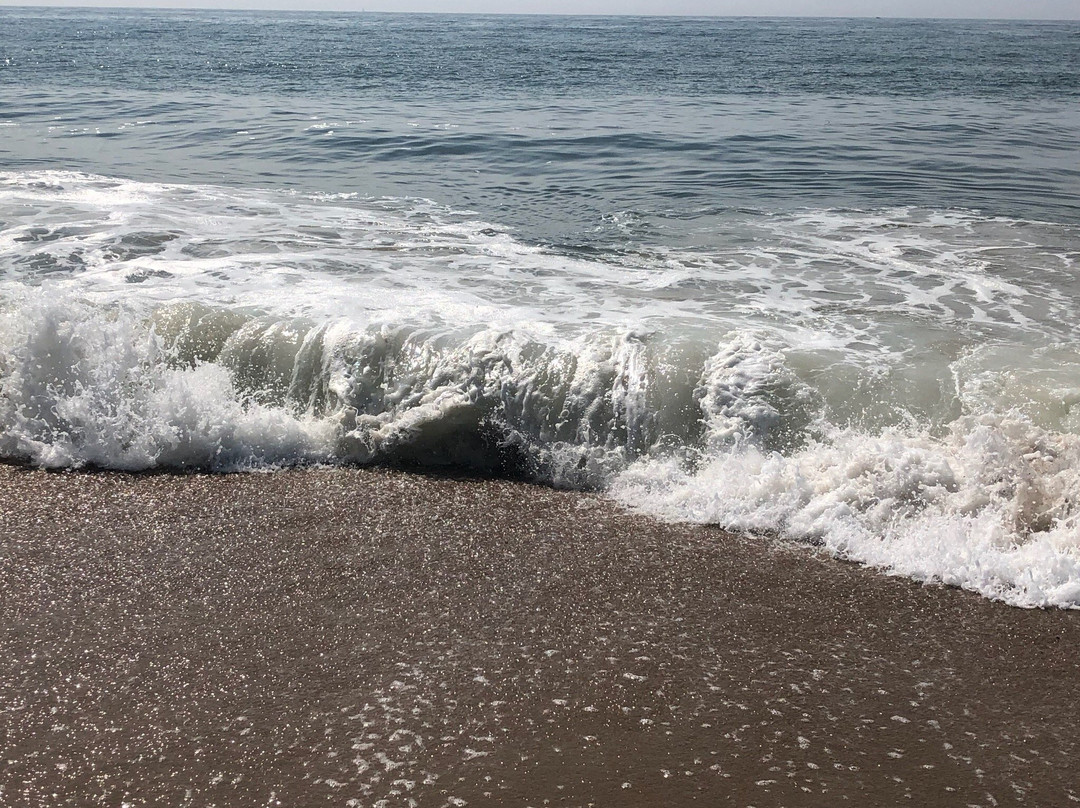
281	9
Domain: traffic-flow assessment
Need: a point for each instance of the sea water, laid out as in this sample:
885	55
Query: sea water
817	278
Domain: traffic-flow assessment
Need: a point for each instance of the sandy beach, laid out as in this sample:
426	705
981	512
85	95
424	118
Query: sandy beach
451	403
355	637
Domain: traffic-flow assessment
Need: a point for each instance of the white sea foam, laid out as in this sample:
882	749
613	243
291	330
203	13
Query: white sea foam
81	386
191	386
901	387
994	506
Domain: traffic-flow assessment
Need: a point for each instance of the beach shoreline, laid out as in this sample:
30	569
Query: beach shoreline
347	636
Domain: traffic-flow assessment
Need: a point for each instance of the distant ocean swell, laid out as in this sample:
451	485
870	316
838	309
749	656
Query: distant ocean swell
908	396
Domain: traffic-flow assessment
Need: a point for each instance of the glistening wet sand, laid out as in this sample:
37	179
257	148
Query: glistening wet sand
345	637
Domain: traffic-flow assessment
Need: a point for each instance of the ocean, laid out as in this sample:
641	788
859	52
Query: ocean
812	278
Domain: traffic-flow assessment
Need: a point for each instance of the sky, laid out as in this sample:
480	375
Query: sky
1001	9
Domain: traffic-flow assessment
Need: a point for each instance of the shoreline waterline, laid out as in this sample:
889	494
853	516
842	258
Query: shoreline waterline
898	385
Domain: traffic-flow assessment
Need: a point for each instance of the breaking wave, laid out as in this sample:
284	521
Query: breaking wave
899	387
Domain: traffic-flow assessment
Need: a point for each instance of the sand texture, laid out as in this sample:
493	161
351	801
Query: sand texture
348	637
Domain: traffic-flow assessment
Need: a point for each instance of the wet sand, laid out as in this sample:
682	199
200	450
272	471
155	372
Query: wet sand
345	637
